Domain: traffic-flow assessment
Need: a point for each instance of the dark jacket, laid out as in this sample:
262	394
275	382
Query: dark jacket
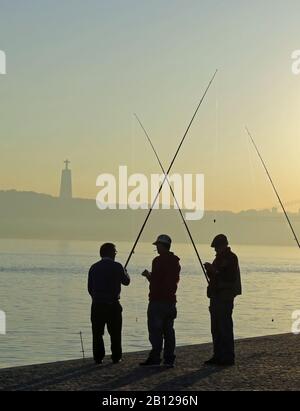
105	279
226	281
164	278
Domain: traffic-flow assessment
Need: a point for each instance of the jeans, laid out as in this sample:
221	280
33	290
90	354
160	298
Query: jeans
161	316
111	316
222	328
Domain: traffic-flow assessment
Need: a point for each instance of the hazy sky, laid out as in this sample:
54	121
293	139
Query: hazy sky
78	70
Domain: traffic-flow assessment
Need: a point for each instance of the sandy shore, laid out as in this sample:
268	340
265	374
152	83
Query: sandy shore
264	363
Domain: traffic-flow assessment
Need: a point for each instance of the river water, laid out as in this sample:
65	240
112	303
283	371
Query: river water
43	295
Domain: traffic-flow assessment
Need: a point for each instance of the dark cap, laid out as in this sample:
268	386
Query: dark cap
219	240
163	239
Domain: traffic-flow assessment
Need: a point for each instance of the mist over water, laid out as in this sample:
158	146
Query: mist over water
43	293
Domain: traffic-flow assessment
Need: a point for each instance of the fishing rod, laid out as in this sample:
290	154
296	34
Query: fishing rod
168	171
82	348
273	185
174	196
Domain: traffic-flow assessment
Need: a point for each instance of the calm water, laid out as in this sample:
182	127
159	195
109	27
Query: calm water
43	293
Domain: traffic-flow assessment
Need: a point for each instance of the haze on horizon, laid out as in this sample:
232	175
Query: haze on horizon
77	71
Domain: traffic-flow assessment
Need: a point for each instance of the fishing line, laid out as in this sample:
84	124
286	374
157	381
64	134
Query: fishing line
133	164
281	203
217	144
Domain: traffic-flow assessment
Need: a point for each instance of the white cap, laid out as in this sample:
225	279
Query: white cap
163	239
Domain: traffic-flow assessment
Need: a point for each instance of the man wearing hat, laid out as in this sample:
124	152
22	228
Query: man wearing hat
224	286
162	312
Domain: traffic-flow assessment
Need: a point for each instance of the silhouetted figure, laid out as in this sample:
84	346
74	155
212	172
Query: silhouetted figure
162	310
224	286
104	286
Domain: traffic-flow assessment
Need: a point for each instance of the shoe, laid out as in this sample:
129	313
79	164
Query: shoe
226	363
220	363
212	361
169	364
150	363
117	361
98	362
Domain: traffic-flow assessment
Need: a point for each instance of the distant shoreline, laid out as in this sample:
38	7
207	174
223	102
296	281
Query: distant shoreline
99	240
27	215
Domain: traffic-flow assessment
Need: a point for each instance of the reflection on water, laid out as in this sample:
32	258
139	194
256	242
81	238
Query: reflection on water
43	292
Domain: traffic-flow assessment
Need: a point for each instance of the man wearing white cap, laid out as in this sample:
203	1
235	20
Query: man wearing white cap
162	311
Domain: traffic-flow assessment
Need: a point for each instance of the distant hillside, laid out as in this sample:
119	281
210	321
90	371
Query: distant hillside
32	215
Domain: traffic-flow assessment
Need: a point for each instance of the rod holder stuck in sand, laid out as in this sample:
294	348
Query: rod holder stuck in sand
82	347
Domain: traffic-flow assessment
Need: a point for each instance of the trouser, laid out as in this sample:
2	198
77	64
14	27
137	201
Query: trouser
111	316
222	328
161	316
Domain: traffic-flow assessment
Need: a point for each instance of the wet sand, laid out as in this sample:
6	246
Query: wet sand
263	363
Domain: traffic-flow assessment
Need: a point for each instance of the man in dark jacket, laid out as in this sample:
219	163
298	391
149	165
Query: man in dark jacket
104	286
224	286
162	311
